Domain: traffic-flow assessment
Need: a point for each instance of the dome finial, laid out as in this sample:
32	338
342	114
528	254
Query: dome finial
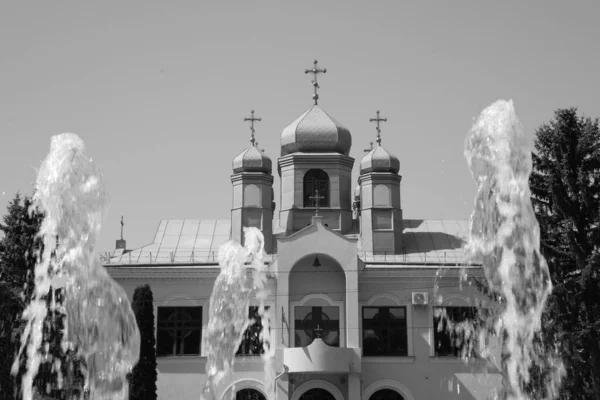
370	147
252	119
315	71
378	120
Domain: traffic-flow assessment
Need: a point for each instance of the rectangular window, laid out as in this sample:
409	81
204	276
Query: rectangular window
251	344
252	218
382	220
384	331
383	242
453	329
179	331
316	322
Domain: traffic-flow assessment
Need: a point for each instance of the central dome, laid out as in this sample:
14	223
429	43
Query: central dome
315	131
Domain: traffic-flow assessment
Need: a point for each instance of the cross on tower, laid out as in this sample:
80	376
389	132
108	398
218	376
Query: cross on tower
378	120
315	71
252	119
122	224
369	149
316	198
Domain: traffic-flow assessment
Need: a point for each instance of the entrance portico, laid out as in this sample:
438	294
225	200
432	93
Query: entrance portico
335	278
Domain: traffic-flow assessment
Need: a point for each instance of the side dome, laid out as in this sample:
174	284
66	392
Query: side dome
379	160
315	131
252	160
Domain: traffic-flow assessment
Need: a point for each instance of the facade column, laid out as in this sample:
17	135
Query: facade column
283	388
283	309
354	387
352	308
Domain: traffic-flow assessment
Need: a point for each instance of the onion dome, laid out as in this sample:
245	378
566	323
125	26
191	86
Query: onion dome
379	160
252	160
315	131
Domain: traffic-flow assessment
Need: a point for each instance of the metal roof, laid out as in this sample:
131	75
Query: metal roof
194	241
181	241
427	242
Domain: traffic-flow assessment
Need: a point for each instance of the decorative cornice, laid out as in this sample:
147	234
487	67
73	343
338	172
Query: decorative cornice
380	177
162	273
414	272
265	209
315	158
249	177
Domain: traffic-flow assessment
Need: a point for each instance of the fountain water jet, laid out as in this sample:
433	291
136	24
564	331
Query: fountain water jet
505	237
228	313
99	321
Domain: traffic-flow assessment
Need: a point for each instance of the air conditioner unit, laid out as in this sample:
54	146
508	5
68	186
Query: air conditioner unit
420	298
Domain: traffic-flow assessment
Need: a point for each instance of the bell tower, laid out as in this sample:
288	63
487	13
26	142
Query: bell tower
252	182
315	169
379	198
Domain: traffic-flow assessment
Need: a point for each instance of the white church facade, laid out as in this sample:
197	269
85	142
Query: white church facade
355	290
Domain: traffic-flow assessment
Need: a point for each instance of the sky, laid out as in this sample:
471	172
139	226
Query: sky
158	90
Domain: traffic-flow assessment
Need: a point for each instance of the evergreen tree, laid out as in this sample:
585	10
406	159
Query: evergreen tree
17	262
18	256
142	380
565	186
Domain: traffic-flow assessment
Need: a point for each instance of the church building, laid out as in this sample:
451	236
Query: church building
357	292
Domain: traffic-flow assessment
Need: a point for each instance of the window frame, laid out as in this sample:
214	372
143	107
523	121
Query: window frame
407	336
390	211
248	192
376	199
201	330
267	307
317	300
325	192
434	333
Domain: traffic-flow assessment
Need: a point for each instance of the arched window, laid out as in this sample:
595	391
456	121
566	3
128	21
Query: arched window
317	394
252	196
382	196
386	394
316	180
249	394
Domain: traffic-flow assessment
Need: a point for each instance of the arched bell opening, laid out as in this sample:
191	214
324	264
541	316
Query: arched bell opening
317	285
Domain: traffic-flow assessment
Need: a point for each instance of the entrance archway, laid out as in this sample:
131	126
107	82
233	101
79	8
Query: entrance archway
249	394
317	394
384	387
386	394
245	389
325	389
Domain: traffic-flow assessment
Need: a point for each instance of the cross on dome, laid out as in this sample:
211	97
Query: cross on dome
315	71
378	120
252	119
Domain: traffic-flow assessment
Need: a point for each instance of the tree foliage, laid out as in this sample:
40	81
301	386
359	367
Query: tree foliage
17	261
18	255
143	377
565	186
